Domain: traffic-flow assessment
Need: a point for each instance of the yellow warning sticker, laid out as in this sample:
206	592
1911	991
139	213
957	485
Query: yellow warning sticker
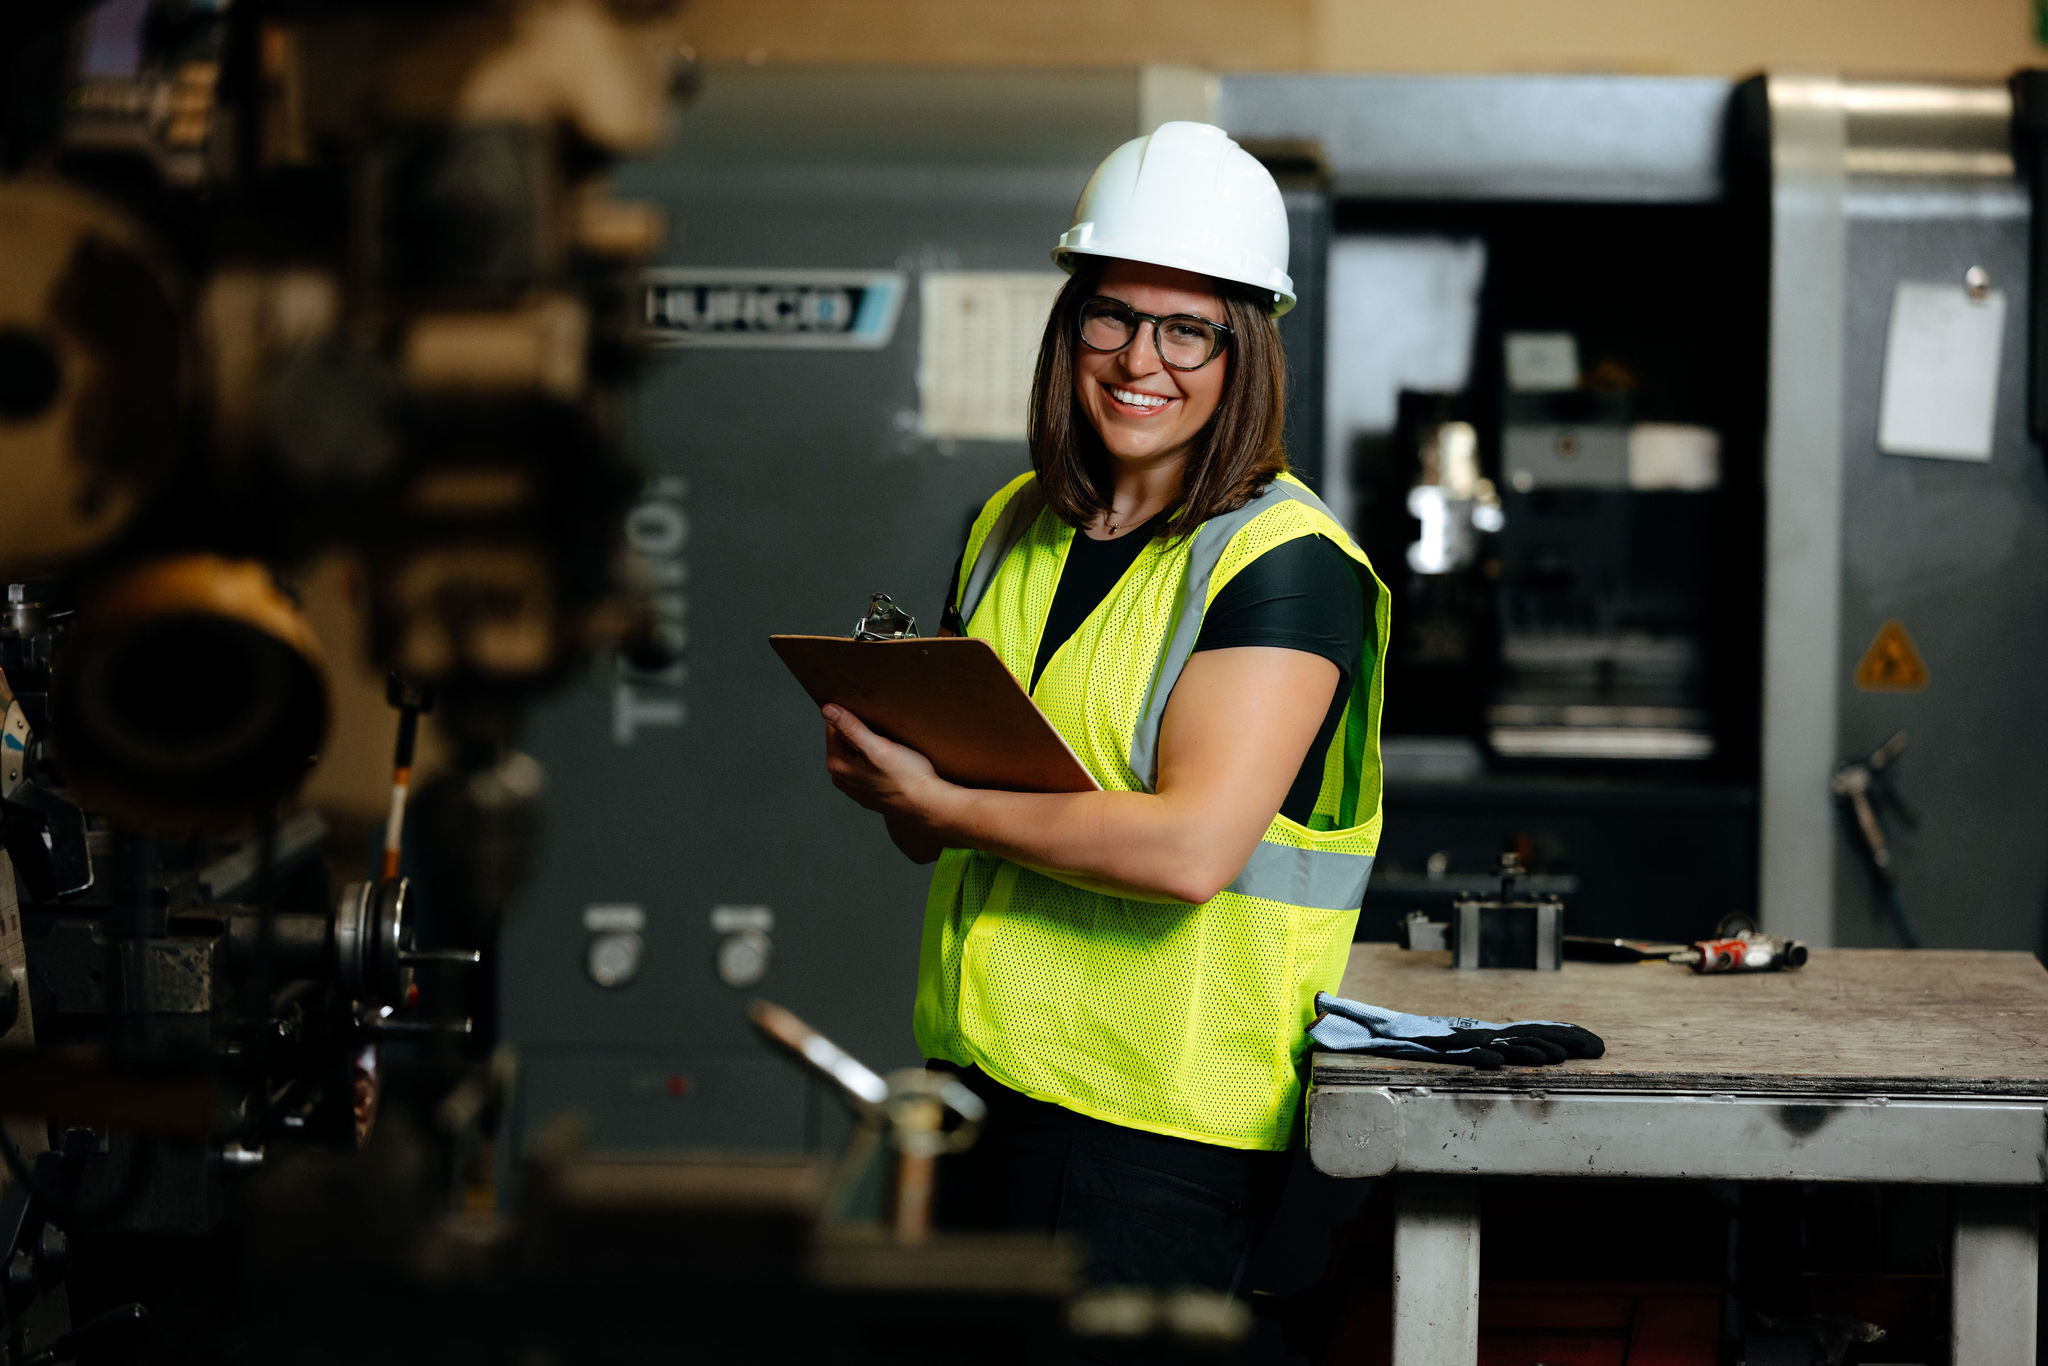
1892	663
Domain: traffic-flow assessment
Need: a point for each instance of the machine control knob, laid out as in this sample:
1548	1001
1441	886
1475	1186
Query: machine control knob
744	958
52	1256
613	958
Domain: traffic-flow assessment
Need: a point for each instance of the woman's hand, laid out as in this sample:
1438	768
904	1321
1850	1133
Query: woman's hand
885	777
876	772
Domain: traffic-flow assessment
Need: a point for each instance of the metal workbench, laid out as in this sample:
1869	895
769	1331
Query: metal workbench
1871	1065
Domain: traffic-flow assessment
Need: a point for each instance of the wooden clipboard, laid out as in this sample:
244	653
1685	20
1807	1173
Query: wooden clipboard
948	698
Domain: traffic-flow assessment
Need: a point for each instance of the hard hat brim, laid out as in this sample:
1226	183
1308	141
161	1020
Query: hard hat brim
1280	286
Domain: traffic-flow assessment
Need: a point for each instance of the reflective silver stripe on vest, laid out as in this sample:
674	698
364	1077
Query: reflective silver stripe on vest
1203	557
1011	524
1324	879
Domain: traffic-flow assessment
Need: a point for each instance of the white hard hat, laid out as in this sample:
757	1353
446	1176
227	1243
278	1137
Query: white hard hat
1185	196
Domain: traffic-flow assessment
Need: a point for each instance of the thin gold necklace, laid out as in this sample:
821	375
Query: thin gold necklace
1110	519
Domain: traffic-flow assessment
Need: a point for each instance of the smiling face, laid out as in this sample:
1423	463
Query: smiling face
1147	413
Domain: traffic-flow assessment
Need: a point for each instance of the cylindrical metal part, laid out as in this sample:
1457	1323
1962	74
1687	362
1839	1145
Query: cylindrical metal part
371	939
189	696
301	943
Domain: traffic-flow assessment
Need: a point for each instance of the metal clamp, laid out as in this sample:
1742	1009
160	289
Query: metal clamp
885	621
1863	788
914	1117
916	1109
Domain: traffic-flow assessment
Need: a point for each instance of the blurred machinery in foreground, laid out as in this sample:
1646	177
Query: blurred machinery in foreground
297	275
760	1257
281	276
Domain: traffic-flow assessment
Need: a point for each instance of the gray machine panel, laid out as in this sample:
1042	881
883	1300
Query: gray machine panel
1880	183
786	485
1613	139
1958	552
649	1102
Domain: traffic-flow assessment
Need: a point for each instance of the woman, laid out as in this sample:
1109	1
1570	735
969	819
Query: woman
1126	974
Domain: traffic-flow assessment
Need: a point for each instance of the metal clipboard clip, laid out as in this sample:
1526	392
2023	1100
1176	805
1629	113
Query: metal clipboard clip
885	621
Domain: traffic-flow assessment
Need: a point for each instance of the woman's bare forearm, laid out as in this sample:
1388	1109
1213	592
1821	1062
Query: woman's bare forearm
1131	843
1235	732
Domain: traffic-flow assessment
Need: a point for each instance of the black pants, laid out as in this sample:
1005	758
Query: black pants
1151	1210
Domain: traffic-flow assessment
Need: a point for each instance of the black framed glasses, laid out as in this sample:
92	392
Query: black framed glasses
1183	341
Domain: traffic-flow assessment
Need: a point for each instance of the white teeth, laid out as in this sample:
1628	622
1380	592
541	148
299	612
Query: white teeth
1137	400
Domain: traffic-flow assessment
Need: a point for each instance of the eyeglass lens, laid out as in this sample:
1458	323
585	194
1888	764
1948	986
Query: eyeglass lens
1184	342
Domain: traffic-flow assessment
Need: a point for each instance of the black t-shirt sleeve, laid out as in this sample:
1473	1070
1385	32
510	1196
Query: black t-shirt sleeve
1306	595
1301	595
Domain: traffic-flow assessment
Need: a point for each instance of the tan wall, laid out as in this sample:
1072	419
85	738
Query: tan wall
1708	37
1712	37
1208	33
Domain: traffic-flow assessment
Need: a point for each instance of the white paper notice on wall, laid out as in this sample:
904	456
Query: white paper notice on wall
977	345
1538	362
1941	372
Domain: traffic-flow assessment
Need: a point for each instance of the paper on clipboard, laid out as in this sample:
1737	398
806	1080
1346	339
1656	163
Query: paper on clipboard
948	698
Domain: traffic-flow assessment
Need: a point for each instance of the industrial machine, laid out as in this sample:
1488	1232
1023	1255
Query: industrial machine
285	277
1691	579
1544	415
1903	560
280	277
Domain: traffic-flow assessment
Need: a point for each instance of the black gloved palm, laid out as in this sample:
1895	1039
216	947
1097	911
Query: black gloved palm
1354	1027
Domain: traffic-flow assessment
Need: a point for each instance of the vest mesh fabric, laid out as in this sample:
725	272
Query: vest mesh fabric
1158	1015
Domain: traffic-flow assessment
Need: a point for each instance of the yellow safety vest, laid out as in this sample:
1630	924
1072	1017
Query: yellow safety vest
1164	1016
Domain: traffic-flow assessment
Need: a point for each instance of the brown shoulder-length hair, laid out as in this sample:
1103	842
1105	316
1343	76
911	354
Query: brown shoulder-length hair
1234	457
